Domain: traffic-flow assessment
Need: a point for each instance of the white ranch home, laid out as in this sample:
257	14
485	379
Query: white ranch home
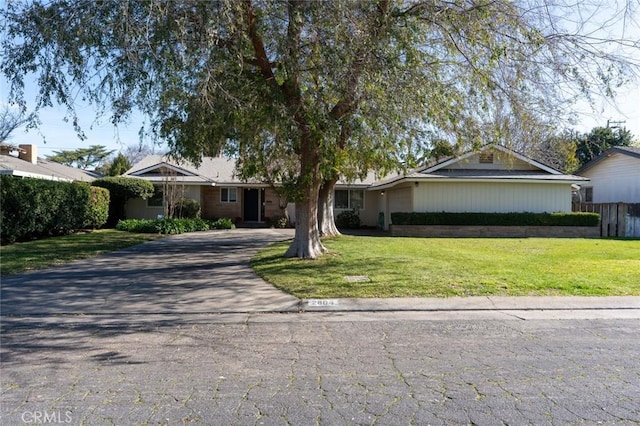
494	179
614	175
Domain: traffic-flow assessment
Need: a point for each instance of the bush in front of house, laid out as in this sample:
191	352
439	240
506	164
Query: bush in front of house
222	223
36	208
97	211
186	209
172	226
348	220
122	189
280	222
497	219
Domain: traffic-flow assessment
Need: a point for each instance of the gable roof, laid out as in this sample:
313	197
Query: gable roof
630	151
43	169
211	171
448	170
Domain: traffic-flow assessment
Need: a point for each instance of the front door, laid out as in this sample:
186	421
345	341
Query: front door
251	199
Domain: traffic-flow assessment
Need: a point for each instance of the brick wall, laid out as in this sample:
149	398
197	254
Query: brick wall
212	208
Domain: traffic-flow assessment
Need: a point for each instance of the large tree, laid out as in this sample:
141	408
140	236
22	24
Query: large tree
306	92
598	140
83	158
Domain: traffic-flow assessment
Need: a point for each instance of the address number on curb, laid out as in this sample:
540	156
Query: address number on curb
322	302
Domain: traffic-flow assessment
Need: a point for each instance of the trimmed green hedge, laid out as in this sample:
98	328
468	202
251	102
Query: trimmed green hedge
35	208
97	211
497	219
172	226
122	189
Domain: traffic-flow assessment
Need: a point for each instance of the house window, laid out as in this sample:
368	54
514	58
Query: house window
157	198
588	194
348	199
228	195
486	157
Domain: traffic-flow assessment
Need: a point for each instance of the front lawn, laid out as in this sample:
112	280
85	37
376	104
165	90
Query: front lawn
442	267
31	255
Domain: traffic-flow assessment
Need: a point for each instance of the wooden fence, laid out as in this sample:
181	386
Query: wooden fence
616	219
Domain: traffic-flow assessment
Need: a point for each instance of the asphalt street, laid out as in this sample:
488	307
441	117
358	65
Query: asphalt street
320	368
180	331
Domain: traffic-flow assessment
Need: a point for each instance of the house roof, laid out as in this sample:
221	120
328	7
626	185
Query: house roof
448	170
43	169
630	151
212	171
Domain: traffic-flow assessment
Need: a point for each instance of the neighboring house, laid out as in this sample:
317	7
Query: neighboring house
221	193
492	180
27	164
614	175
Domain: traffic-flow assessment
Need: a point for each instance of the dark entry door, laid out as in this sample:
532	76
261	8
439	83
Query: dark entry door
251	198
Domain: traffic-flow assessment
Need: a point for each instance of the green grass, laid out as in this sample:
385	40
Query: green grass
32	255
443	267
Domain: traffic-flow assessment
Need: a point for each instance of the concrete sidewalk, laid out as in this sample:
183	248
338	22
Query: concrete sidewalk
209	272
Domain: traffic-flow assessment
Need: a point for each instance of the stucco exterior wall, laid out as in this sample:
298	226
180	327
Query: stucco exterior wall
489	197
615	179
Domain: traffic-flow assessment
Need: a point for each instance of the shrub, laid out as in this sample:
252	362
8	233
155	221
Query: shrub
122	189
497	219
279	222
35	208
348	220
172	226
145	226
187	209
97	211
223	223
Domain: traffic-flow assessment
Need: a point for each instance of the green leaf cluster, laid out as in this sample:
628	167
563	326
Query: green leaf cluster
172	226
126	187
83	158
122	189
496	219
36	208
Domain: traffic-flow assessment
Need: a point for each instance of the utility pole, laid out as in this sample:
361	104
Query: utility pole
615	124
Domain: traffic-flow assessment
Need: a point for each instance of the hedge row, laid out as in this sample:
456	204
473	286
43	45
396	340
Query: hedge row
497	219
35	208
122	189
172	226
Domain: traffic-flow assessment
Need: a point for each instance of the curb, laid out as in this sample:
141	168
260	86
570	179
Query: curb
474	303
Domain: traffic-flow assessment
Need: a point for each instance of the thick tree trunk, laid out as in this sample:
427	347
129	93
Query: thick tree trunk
306	243
326	220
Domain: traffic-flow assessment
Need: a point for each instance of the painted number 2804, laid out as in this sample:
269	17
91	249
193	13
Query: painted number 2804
323	302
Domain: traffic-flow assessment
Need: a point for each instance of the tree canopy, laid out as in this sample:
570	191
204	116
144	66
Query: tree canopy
83	158
599	139
119	165
10	121
303	92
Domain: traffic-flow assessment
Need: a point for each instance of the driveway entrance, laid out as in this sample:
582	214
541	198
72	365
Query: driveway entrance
190	273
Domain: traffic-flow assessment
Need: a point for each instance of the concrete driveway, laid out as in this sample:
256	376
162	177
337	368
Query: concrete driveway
200	272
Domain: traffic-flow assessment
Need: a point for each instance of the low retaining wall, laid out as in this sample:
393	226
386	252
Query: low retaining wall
495	231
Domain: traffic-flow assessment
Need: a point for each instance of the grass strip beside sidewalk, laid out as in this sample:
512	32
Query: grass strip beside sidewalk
444	267
33	255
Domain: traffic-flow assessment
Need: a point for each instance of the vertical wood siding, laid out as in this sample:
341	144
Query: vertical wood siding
615	179
460	197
